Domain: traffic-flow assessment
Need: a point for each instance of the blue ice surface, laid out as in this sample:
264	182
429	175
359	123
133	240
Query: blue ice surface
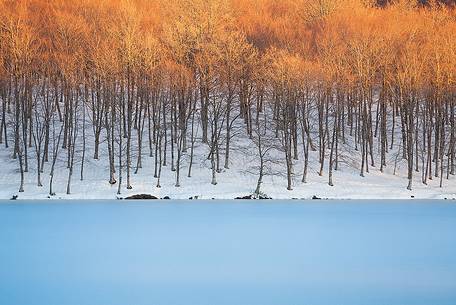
233	253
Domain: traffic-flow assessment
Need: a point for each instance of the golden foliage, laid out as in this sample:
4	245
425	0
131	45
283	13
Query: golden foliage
349	42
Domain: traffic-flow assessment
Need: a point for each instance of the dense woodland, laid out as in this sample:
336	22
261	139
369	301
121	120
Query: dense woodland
149	79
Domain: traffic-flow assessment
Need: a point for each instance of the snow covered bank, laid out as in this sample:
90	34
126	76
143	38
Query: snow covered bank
233	182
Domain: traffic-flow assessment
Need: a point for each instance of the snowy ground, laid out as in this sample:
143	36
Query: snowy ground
224	253
239	180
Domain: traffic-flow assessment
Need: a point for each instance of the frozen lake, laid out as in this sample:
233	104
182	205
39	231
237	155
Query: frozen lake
228	253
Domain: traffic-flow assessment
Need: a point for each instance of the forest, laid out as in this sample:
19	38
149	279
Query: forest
125	80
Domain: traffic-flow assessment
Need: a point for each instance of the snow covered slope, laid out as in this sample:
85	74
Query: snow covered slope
239	180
